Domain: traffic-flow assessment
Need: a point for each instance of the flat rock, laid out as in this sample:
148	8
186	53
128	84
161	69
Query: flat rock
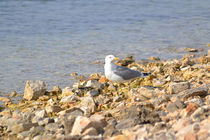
80	125
193	92
34	89
171	107
175	88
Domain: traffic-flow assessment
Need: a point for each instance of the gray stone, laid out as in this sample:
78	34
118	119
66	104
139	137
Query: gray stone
41	114
193	92
45	121
23	134
171	107
70	98
68	124
21	127
201	113
92	93
175	88
93	84
88	105
199	102
34	89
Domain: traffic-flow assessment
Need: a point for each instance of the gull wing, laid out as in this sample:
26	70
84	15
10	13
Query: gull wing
126	73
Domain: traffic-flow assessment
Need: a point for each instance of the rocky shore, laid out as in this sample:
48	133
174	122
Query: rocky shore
173	103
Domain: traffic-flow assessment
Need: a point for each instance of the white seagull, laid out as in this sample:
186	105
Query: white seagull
118	73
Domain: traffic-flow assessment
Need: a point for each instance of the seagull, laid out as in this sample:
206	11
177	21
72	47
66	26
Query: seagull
119	74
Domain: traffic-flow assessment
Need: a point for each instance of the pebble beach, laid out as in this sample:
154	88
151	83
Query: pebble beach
173	103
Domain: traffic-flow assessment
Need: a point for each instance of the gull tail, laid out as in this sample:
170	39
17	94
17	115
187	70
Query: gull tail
144	75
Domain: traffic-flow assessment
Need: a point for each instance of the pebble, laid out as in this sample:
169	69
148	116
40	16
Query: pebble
175	88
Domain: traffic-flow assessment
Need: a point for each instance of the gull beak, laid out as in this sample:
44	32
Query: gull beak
116	58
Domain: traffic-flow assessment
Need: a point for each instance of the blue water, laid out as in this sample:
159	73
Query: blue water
49	39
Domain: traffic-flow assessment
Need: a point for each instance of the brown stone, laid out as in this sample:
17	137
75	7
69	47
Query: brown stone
90	131
191	108
175	88
5	99
190	136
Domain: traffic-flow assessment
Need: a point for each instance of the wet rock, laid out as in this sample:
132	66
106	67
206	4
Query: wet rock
34	89
126	61
53	109
93	84
175	88
193	92
70	98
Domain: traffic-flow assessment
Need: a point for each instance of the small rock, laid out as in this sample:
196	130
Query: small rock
53	109
13	94
193	92
70	98
66	91
171	107
191	108
175	88
34	89
80	125
200	114
74	111
196	127
181	123
45	121
17	128
98	122
199	102
117	99
146	93
41	114
93	84
23	134
90	131
191	49
154	58
57	89
5	99
68	124
92	93
120	137
88	104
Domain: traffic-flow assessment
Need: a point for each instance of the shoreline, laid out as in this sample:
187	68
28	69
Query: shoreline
172	103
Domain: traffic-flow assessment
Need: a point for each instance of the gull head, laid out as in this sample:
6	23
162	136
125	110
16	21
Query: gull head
110	59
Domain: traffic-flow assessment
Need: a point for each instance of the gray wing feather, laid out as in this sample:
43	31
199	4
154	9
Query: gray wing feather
126	73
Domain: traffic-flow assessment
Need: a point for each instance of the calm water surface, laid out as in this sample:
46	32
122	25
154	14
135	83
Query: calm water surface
49	39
